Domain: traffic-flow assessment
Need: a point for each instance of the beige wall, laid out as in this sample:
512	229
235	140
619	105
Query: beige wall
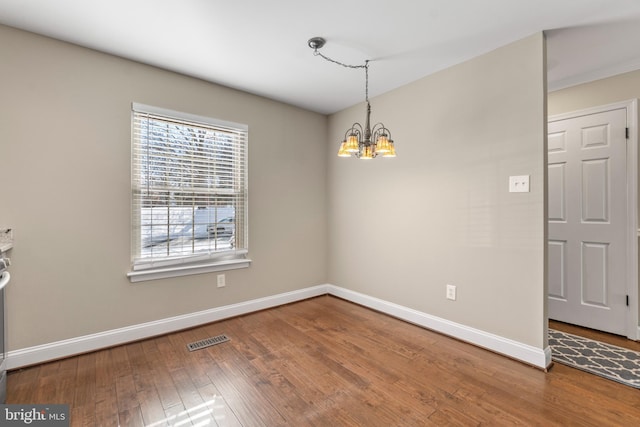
399	228
65	161
600	92
441	212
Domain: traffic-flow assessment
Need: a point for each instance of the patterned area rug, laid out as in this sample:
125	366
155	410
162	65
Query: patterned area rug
608	361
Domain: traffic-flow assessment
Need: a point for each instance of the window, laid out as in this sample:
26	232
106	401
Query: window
189	194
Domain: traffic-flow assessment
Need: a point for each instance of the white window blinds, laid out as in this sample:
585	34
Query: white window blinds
189	188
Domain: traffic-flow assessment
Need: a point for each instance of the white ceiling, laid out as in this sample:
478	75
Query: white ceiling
260	46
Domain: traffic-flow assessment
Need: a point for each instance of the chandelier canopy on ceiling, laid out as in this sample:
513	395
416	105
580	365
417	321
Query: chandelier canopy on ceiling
363	142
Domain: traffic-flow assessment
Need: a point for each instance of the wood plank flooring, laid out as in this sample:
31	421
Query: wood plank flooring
319	362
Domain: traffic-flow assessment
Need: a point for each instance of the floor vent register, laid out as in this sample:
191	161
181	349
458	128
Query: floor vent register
207	342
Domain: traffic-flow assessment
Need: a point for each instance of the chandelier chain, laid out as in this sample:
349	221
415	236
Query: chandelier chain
361	141
365	66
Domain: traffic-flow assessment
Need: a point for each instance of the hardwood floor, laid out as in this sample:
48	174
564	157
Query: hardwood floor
319	362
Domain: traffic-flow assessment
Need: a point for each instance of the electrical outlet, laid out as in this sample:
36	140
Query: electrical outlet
221	281
451	292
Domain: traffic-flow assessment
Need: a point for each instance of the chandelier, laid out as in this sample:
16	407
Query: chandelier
364	142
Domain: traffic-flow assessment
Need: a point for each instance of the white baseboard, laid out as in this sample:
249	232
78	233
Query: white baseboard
60	349
65	348
540	358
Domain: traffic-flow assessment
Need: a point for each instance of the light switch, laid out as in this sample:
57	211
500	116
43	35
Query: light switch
519	184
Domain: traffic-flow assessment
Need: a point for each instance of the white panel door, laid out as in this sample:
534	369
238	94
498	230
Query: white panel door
587	220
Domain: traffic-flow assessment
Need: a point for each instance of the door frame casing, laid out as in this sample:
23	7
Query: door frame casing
631	106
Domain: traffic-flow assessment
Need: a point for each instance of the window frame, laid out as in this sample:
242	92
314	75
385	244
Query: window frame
151	268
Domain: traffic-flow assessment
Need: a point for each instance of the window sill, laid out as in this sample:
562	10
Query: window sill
186	270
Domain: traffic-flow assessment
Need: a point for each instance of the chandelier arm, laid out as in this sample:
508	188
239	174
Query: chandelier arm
379	127
355	128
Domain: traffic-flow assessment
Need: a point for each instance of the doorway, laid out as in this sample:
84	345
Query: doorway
592	211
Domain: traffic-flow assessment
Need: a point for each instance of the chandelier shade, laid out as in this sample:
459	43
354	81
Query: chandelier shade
364	142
